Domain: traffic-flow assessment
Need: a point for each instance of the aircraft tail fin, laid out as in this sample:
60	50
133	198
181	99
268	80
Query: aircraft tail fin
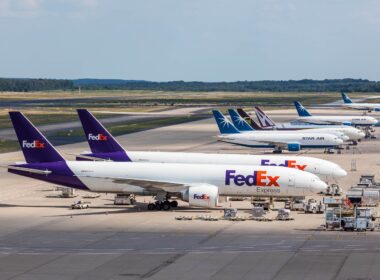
301	110
239	122
345	98
264	119
100	140
35	147
225	126
249	119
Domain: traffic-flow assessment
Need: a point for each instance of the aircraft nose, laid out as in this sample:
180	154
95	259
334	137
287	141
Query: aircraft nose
319	186
339	172
339	141
361	134
345	138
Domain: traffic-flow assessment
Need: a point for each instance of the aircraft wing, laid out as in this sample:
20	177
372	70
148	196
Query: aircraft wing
318	122
274	143
149	185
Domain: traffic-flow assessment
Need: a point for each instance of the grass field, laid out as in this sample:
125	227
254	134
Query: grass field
68	136
120	97
60	107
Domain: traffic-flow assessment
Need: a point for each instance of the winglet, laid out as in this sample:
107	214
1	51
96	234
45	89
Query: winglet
224	125
239	122
302	112
34	145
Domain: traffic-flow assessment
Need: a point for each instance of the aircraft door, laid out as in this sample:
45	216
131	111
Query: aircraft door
292	181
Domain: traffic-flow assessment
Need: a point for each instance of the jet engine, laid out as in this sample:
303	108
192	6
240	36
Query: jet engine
347	123
294	147
201	195
376	109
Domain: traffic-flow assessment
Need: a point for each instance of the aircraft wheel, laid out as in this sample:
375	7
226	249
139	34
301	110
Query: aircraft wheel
166	206
174	203
151	206
158	206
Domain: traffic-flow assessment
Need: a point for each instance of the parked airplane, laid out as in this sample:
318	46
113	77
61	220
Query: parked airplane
200	185
359	106
242	125
105	147
305	116
273	139
354	134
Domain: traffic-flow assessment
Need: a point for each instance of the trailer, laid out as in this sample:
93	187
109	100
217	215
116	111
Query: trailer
124	199
364	197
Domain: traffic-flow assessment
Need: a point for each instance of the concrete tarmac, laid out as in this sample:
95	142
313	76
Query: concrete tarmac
41	238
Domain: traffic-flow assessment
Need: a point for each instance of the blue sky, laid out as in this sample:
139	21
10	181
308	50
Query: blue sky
204	40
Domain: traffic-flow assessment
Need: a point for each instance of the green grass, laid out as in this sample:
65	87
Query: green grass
8	146
45	119
69	136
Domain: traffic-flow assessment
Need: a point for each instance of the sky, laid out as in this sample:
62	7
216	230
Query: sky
190	40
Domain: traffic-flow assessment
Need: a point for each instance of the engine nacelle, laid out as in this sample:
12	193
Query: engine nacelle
376	109
347	123
294	147
202	196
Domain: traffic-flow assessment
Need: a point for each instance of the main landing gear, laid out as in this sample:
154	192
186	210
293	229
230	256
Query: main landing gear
162	202
164	205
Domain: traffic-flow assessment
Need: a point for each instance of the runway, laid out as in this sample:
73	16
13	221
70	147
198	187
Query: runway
40	238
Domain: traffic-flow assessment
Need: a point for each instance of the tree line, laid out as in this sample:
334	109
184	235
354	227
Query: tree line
307	85
25	85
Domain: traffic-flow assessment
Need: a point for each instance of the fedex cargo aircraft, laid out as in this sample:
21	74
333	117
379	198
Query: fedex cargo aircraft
105	147
200	185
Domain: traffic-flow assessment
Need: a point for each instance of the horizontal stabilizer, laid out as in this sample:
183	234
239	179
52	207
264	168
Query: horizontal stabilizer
29	170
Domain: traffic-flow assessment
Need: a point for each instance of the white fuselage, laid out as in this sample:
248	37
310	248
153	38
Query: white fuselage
350	132
273	138
322	168
363	106
354	120
230	179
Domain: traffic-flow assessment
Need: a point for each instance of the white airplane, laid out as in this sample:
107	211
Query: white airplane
354	134
292	141
305	116
359	106
105	147
200	185
244	127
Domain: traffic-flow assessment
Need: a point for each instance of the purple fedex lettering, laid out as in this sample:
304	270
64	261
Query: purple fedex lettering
287	163
258	178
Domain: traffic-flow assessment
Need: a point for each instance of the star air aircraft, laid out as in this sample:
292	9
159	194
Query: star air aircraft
292	141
